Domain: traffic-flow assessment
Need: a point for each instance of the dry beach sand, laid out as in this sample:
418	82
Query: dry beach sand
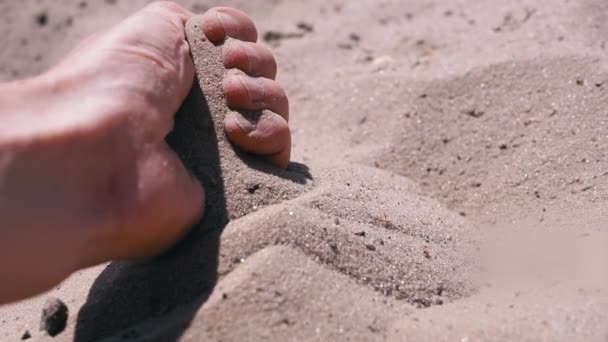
450	179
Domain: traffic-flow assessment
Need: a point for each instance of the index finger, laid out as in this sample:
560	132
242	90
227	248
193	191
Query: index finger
222	22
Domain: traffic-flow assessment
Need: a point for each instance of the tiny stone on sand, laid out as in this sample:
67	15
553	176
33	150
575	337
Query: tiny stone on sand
54	316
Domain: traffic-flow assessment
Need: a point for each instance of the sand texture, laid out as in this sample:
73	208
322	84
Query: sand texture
450	179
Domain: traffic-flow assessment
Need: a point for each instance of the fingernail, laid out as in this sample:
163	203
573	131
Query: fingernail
227	21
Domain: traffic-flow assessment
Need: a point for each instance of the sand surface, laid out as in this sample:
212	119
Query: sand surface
450	179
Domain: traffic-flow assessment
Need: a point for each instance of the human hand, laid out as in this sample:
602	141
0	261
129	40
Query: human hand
85	173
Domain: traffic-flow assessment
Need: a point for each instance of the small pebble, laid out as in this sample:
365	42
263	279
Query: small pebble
54	316
333	245
253	188
305	27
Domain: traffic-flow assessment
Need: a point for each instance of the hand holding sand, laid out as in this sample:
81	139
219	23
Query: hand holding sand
85	173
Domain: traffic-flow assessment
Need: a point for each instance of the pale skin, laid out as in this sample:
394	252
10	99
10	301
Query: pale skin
85	173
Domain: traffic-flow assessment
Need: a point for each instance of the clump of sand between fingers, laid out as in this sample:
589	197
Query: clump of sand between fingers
236	183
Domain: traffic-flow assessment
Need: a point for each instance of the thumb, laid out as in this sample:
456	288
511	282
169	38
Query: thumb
170	201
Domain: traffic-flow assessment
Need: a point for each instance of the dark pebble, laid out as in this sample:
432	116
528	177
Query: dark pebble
54	317
26	335
253	188
42	19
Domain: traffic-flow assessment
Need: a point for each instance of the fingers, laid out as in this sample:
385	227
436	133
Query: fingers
222	22
253	59
269	136
254	94
255	90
